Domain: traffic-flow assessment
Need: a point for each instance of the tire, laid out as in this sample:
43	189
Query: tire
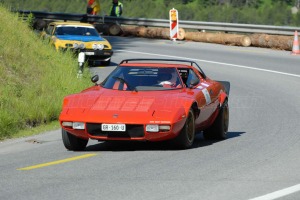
72	142
218	130
186	137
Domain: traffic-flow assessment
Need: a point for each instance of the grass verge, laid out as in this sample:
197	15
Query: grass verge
34	77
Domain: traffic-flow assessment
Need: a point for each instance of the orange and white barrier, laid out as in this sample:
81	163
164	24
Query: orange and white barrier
173	24
295	50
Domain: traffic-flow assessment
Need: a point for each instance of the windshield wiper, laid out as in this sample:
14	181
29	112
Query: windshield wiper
124	81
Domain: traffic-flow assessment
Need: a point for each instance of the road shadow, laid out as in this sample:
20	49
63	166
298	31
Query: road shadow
201	142
153	146
118	42
111	65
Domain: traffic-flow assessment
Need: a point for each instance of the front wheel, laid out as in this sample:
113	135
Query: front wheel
186	137
72	142
218	130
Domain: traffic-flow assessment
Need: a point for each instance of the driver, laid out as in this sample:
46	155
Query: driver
168	77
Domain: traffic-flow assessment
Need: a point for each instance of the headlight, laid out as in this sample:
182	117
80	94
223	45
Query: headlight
78	125
94	46
81	46
74	125
75	46
163	128
100	46
70	124
154	128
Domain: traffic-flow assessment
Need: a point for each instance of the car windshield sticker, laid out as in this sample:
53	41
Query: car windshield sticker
207	96
80	38
205	84
71	25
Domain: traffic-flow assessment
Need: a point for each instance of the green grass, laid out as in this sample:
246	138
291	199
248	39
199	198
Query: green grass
34	78
37	130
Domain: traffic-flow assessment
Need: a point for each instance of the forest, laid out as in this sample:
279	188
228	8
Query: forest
265	12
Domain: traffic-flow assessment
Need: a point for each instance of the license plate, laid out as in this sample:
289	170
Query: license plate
89	53
113	127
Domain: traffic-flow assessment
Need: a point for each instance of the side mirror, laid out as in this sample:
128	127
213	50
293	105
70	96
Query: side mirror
95	79
194	82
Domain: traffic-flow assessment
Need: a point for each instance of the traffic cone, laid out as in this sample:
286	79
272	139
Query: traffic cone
295	50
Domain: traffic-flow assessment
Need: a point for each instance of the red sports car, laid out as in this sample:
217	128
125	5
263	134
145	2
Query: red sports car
147	100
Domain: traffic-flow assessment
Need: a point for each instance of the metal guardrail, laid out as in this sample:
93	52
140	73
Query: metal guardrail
196	25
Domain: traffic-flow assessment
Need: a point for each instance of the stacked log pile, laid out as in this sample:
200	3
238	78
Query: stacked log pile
258	40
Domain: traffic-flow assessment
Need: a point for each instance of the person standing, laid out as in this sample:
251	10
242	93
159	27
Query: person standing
116	9
93	7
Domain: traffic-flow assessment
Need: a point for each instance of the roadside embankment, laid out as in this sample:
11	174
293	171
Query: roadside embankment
34	77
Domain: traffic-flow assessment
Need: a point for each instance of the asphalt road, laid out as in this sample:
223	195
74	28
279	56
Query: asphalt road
259	160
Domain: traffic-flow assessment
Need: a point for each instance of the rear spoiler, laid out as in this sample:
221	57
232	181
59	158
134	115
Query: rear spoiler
226	85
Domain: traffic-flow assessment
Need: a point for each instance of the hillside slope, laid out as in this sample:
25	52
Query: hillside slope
266	12
34	77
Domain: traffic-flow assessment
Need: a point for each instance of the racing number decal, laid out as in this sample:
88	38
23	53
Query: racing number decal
207	96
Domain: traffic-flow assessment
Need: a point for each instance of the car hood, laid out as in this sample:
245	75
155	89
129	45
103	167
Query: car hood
80	38
126	107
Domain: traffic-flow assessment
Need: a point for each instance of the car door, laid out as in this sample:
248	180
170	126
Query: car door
204	95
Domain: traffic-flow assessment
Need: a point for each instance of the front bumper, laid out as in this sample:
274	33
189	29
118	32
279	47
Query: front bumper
97	53
134	132
103	55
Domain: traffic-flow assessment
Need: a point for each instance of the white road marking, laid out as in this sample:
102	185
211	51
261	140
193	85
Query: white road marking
208	61
279	193
270	196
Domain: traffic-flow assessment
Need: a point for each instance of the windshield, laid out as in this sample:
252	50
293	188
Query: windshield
75	30
143	78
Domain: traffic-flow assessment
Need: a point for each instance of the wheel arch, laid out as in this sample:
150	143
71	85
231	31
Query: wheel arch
195	109
223	97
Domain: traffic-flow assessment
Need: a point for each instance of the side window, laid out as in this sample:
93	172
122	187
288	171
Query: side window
191	75
49	29
183	74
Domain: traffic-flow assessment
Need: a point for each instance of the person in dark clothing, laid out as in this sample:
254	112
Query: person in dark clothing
116	8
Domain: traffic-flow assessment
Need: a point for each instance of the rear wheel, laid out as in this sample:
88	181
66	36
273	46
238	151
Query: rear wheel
186	137
72	142
218	130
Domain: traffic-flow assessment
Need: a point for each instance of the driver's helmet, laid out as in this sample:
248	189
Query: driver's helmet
167	76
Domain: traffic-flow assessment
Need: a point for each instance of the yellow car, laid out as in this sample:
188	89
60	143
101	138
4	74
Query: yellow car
79	37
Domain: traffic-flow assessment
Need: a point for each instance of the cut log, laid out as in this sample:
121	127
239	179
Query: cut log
162	33
219	38
272	41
